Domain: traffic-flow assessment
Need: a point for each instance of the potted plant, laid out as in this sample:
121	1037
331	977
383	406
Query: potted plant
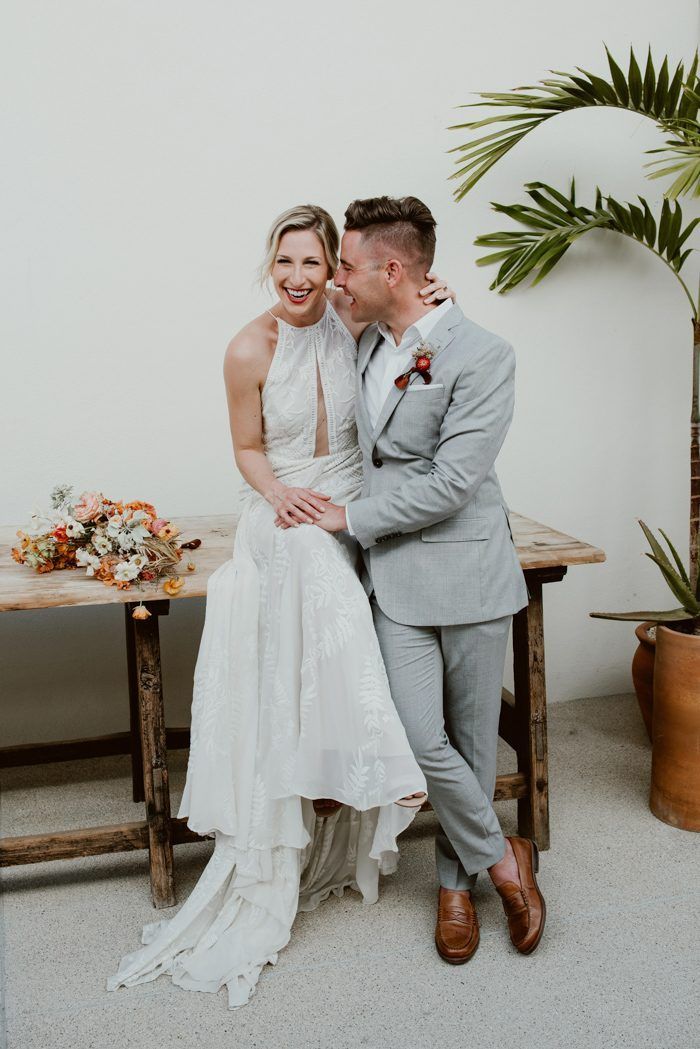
553	220
675	763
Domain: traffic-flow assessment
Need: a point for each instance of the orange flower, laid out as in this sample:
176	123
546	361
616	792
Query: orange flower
138	504
140	612
173	586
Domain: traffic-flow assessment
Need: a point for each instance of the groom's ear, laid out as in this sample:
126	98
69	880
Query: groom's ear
393	271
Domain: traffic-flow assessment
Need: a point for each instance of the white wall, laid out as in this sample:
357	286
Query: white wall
149	147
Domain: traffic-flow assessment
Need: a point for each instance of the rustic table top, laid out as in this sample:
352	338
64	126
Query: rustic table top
21	587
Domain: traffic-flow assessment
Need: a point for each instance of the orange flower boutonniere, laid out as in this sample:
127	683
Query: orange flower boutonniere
422	357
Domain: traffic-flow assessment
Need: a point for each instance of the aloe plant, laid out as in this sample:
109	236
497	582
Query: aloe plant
679	583
554	220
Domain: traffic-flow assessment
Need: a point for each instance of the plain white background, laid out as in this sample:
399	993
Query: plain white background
148	146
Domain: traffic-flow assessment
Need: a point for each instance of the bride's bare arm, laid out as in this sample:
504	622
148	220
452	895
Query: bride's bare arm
245	370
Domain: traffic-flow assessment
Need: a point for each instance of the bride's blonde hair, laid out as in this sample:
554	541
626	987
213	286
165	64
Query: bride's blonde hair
304	216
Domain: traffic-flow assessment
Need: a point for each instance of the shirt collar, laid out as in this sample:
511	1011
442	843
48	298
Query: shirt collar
419	329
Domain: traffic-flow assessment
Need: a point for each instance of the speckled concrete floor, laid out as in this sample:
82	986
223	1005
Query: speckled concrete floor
618	966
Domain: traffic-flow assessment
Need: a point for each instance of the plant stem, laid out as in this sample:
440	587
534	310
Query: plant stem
695	457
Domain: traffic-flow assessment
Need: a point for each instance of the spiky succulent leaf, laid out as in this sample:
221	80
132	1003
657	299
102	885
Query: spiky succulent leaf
676	557
672	616
677	586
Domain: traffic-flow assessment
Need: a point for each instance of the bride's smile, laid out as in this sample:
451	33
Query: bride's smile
300	274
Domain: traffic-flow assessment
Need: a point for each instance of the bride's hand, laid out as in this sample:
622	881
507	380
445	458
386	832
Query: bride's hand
437	290
295	506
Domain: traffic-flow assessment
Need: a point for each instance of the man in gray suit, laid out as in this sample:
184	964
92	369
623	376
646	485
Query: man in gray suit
434	403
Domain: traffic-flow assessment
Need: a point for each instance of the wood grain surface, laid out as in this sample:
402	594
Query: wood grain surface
21	587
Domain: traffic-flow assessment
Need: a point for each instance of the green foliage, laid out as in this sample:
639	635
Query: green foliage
554	221
672	100
677	579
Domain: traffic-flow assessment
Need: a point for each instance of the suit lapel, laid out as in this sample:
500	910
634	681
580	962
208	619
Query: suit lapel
440	337
371	339
368	343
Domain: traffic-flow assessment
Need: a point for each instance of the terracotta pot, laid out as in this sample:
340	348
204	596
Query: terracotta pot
675	761
643	671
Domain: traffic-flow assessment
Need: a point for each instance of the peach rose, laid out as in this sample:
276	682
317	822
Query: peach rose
88	507
168	531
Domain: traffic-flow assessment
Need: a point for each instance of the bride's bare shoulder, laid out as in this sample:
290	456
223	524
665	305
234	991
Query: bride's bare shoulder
254	343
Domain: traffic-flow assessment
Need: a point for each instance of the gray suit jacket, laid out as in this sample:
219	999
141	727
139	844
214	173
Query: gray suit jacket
431	519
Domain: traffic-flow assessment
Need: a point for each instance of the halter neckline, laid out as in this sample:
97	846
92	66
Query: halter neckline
304	327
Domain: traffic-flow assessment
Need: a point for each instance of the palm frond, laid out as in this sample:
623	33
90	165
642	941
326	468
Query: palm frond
669	100
553	221
681	155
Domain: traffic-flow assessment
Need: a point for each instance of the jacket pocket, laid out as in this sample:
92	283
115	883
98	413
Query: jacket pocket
457	530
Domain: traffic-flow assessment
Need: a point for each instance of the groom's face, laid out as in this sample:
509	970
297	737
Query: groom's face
361	276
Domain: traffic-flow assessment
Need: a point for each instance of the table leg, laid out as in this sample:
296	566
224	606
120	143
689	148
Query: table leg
155	767
531	715
134	722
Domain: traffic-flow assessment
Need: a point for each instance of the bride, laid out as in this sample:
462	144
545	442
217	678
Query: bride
299	766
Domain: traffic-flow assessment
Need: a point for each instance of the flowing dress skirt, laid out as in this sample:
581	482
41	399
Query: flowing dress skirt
291	702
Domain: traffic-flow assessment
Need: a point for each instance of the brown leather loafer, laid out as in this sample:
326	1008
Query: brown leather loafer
524	904
457	929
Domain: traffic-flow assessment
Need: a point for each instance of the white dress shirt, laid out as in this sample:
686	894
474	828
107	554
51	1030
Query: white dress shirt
388	361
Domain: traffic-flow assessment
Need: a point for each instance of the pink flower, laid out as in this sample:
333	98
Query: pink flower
88	508
155	526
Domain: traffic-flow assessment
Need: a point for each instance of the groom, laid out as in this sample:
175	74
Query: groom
439	563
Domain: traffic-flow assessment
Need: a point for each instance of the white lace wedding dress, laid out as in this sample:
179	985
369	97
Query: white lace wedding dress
291	702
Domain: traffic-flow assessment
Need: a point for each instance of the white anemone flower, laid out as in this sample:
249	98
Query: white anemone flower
125	571
87	560
74	528
125	541
115	524
139	560
101	543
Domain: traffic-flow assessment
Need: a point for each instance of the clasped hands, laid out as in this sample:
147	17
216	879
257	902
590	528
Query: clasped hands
295	506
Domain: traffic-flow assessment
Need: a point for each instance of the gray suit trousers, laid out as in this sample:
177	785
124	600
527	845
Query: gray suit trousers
446	685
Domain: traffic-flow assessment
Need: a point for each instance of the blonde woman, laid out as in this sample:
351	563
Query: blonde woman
299	765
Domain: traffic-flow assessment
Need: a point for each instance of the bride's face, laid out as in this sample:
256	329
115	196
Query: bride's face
299	273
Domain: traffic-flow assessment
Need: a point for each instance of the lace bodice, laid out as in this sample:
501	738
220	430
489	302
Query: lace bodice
290	393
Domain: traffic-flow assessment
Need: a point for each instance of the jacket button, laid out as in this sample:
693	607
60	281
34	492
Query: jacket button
377	462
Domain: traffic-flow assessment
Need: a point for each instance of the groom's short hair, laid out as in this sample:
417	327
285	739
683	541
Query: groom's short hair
404	224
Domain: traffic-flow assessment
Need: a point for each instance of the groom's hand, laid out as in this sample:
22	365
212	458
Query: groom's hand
333	519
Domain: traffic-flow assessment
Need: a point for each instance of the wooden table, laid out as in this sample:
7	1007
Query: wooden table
544	555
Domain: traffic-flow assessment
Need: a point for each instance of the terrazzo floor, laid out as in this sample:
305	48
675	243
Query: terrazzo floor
619	964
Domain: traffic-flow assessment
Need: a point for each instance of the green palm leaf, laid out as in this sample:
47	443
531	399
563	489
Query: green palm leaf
553	221
672	101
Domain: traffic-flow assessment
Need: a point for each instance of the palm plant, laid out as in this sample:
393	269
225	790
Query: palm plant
554	220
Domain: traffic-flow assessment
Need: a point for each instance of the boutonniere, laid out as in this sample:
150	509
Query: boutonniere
422	357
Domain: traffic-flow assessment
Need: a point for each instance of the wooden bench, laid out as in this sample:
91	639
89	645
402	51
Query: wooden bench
544	555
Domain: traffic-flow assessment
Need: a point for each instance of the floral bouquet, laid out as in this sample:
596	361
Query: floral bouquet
117	543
